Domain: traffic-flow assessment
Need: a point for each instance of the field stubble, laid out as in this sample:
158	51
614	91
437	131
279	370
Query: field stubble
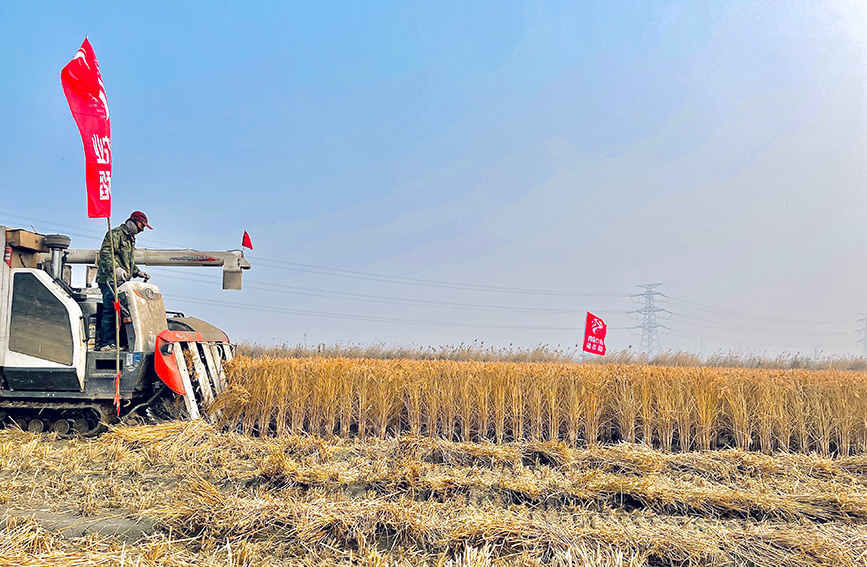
208	497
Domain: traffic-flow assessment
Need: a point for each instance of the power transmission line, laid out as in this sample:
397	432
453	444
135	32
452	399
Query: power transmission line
365	318
648	323
748	315
406	280
742	323
318	292
261	262
269	308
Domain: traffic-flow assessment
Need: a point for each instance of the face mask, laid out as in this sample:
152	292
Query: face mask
132	226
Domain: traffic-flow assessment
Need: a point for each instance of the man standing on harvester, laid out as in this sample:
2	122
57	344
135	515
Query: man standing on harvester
120	240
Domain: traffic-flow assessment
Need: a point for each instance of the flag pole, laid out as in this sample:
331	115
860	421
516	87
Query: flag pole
116	307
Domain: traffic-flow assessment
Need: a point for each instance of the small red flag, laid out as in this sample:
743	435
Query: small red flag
246	242
117	393
594	335
85	93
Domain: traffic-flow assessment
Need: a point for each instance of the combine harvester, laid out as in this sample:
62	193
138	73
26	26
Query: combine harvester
50	376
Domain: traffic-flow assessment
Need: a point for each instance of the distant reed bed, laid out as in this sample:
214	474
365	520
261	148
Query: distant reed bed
478	351
671	408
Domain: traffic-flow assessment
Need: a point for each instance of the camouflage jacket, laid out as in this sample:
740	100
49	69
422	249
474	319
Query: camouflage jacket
124	254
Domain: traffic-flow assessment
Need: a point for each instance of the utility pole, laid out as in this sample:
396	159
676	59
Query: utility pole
862	330
647	313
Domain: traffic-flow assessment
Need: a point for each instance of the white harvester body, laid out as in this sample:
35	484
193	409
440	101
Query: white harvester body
50	374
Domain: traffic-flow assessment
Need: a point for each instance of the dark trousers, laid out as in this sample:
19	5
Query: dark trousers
105	335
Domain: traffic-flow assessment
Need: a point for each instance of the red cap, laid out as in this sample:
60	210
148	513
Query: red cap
139	216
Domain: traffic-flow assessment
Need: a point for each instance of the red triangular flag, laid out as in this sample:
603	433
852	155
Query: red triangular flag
246	242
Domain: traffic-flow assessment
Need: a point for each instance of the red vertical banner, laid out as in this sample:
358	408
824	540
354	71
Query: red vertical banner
85	92
246	242
595	330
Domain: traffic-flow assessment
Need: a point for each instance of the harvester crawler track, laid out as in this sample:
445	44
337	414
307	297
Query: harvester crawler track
64	418
199	367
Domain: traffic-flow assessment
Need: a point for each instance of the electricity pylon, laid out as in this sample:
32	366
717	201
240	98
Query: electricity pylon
862	330
648	323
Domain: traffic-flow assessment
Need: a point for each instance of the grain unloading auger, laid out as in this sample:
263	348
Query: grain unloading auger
50	375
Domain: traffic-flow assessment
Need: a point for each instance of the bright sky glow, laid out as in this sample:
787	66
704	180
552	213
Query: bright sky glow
448	172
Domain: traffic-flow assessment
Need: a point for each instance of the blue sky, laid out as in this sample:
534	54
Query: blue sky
568	147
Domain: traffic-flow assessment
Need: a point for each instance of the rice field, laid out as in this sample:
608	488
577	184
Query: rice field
394	463
669	408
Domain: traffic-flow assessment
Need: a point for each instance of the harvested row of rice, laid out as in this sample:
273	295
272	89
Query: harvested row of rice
303	500
682	494
723	481
443	526
26	544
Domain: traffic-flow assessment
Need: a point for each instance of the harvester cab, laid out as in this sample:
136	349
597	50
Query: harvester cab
51	377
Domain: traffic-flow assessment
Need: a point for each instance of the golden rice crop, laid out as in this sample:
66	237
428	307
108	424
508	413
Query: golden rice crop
672	408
